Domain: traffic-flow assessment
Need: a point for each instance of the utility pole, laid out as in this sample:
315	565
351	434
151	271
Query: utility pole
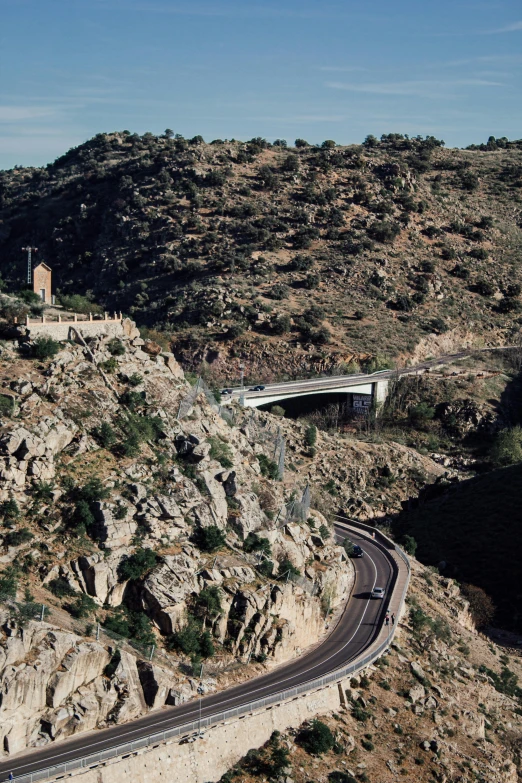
200	693
42	613
29	251
242	370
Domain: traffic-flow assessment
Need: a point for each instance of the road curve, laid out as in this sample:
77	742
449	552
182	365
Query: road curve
358	627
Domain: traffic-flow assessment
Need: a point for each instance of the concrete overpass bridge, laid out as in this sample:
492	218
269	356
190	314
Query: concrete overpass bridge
363	391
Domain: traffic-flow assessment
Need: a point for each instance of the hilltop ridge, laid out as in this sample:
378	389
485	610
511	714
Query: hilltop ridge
302	258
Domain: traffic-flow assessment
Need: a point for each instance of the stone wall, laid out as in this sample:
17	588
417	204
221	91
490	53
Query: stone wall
220	748
61	330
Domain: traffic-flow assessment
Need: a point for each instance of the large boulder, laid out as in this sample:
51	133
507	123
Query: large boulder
166	589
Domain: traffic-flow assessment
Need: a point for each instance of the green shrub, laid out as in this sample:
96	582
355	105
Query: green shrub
194	642
137	565
60	588
507	447
208	602
277	410
324	532
109	365
255	543
82	516
420	414
116	347
45	348
29	297
18	537
311	435
269	468
135	379
279	291
331	487
338	776
133	400
209	539
220	451
7	405
266	568
43	491
287	569
409	545
105	435
316	739
8	584
79	304
82	607
118	623
359	713
9	510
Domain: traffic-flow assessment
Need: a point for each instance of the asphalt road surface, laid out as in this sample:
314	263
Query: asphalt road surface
356	630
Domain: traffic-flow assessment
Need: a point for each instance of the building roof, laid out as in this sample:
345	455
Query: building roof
42	263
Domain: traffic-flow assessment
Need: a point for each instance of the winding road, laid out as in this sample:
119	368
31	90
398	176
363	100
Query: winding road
358	627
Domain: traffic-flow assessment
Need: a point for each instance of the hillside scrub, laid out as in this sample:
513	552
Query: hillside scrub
369	232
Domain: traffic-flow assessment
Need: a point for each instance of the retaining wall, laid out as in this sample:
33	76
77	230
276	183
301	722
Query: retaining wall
168	756
220	748
60	330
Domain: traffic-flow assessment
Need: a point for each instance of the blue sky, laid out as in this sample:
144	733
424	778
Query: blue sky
279	69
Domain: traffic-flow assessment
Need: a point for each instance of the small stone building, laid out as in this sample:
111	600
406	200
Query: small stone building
42	282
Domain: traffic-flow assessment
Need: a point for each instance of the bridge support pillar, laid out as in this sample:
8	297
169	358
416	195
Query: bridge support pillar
380	392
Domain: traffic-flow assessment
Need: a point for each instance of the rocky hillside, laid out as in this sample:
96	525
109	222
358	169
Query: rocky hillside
139	532
443	705
144	520
300	259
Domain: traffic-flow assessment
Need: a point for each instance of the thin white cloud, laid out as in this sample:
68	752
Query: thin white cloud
419	87
506	59
238	11
341	68
298	118
510	28
17	113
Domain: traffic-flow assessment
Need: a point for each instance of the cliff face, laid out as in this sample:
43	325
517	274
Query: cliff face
142	521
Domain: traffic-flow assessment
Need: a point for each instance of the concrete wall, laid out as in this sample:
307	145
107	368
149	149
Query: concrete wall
60	331
206	759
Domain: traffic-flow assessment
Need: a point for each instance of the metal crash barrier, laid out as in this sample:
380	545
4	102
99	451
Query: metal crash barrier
129	748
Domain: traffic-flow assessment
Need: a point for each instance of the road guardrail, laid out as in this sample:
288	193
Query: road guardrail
129	748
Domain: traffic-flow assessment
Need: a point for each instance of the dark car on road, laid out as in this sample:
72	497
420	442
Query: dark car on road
357	551
226	391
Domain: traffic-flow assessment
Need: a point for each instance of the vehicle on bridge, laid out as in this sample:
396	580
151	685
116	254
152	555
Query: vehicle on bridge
378	592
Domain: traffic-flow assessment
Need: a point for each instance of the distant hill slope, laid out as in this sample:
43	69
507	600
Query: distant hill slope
476	527
229	244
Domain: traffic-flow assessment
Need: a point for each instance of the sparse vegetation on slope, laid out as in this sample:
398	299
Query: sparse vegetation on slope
225	243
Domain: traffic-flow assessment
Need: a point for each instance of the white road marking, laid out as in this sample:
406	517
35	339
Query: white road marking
168	718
